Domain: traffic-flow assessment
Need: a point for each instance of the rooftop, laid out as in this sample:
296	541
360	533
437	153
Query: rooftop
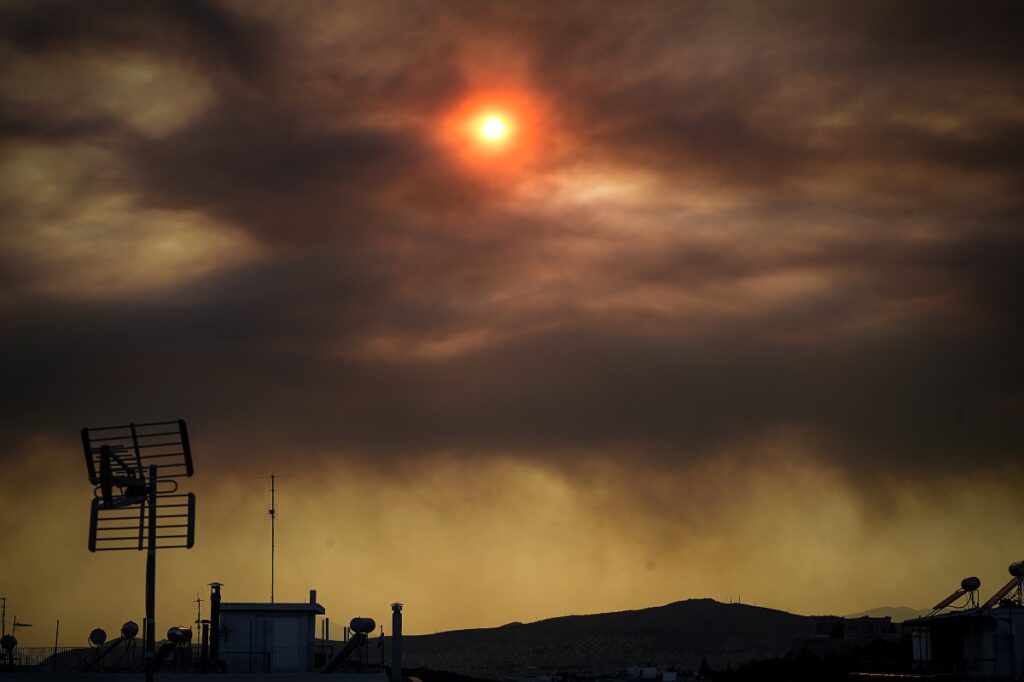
277	606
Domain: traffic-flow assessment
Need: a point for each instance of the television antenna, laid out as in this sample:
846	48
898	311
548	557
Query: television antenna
273	522
272	511
199	609
136	504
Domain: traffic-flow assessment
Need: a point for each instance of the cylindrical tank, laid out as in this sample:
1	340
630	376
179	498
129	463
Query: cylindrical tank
179	635
97	636
8	643
130	630
363	625
970	584
1017	569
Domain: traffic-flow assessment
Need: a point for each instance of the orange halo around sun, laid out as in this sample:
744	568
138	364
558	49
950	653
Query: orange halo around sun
497	129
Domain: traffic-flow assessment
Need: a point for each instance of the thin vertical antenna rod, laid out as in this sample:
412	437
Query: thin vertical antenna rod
273	518
199	608
3	615
151	492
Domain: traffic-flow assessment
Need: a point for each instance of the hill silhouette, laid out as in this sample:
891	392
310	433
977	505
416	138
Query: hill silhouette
674	635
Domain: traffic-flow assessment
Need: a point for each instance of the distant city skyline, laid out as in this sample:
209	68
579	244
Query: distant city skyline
536	308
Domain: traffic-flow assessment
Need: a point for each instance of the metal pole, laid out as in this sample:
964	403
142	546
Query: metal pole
151	576
215	623
273	518
56	639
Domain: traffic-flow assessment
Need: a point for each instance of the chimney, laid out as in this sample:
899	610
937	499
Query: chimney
204	651
214	622
312	596
396	642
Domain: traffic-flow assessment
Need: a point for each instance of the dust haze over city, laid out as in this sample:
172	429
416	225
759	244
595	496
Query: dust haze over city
536	308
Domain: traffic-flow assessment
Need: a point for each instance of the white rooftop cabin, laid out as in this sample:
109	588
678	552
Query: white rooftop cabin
275	637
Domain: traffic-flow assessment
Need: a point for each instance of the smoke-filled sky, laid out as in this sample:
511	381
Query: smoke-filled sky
735	308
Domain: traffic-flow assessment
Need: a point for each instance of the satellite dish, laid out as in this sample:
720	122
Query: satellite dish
97	637
1017	569
129	630
363	625
8	643
970	584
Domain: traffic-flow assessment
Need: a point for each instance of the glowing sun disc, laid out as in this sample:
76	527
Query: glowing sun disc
493	128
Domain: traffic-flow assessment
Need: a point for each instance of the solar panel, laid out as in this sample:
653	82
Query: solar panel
949	600
1002	592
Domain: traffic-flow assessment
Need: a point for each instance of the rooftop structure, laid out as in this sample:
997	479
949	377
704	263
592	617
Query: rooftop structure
984	641
276	637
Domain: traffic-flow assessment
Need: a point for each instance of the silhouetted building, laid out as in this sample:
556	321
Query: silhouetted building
269	637
863	628
980	642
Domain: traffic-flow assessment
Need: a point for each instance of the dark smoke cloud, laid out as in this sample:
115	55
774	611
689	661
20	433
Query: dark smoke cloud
856	272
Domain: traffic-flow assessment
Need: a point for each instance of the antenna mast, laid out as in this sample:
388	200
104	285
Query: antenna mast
273	518
3	613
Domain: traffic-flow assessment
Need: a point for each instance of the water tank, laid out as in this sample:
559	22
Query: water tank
97	636
1017	569
8	643
179	635
130	630
363	625
970	584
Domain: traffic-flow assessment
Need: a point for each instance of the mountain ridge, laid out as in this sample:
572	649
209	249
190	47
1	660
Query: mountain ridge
676	635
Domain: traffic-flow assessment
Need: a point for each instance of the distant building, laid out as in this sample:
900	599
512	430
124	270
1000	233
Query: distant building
834	634
863	628
637	672
275	638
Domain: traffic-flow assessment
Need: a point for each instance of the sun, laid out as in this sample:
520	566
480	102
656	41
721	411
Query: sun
494	131
493	128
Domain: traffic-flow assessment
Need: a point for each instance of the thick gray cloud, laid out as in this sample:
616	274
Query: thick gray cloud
813	224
